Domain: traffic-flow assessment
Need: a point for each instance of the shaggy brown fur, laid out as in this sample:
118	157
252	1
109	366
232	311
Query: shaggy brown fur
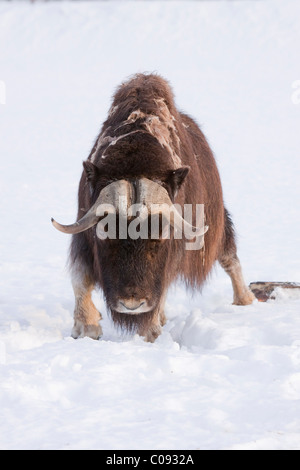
145	136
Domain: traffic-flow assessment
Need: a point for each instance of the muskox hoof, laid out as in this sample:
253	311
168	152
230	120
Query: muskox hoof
151	334
91	331
245	299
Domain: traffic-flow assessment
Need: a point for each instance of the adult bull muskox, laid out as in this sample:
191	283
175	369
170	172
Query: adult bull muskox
147	153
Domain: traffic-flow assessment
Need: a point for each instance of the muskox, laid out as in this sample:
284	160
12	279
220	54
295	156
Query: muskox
147	153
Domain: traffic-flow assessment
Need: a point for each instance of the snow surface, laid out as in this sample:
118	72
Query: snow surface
219	376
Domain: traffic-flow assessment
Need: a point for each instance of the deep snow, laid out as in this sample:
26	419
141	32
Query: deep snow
219	376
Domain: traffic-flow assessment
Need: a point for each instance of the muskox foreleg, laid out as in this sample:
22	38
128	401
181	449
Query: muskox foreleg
86	316
152	329
231	264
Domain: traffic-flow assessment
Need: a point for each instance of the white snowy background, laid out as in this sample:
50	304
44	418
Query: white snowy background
219	376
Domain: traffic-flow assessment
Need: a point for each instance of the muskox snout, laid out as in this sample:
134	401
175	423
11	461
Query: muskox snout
133	306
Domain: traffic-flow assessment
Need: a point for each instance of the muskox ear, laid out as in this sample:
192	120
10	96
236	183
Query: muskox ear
176	178
91	171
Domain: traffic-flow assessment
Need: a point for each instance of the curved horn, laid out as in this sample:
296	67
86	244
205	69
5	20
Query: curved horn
177	220
108	198
153	193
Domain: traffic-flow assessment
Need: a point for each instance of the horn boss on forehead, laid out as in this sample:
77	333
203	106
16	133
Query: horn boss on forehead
111	199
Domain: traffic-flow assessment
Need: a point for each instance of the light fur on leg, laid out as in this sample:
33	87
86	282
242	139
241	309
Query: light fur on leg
152	331
86	316
241	293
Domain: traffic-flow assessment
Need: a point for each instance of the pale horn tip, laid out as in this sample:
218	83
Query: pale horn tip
54	223
58	226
